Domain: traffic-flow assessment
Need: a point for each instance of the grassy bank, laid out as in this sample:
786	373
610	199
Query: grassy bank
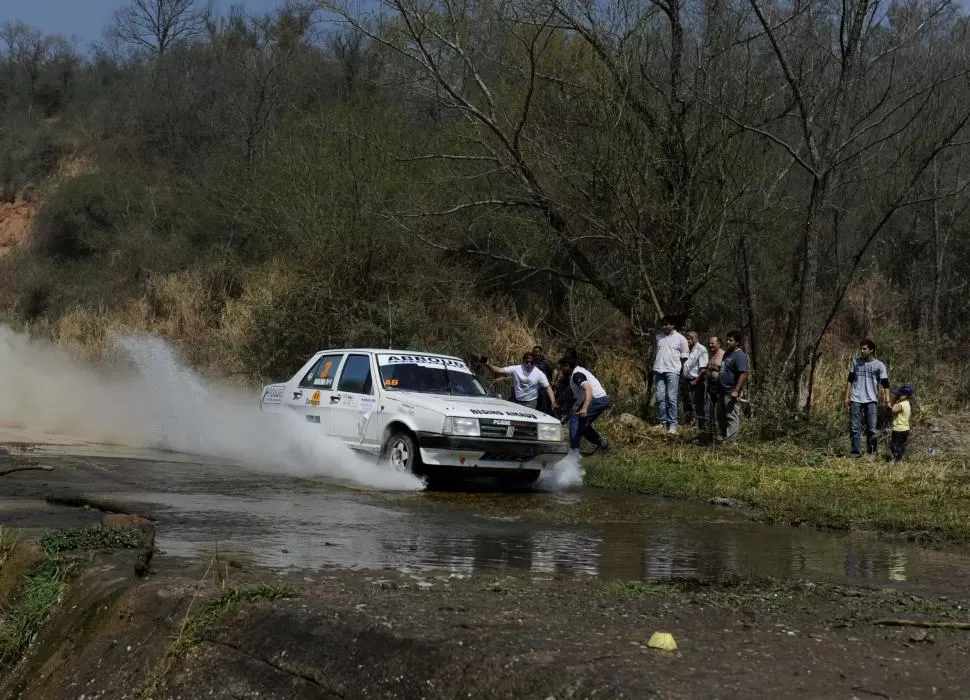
928	495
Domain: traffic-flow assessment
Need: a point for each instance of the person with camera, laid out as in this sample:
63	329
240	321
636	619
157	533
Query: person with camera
527	380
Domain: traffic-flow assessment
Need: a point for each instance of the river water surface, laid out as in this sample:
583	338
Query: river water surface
203	506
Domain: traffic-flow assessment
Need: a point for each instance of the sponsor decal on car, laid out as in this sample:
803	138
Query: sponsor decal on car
274	394
314	399
429	360
493	412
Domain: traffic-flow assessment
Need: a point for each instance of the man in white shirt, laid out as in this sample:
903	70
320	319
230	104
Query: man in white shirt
695	382
592	399
527	379
672	353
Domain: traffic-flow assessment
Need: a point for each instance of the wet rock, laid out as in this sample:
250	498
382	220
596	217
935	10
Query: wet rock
386	584
922	636
725	502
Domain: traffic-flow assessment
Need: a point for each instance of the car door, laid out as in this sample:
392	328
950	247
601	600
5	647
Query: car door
353	402
311	395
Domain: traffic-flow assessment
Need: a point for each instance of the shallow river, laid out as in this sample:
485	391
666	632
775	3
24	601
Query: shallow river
204	506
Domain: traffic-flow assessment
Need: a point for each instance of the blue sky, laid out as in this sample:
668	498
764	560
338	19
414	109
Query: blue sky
86	18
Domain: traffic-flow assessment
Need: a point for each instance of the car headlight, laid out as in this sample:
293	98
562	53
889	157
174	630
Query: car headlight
550	431
467	427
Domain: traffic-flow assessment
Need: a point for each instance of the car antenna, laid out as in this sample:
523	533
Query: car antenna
390	324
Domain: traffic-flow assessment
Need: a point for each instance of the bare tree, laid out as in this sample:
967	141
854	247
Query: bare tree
158	24
859	82
257	59
568	119
28	50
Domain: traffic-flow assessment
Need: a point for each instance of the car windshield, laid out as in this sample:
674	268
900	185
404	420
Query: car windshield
428	374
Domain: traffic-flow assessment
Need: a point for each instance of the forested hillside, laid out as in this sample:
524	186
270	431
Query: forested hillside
477	177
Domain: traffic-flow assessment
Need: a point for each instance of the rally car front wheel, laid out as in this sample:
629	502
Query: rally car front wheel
401	452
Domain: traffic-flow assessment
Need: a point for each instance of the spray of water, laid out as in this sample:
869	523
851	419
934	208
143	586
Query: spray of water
565	475
163	404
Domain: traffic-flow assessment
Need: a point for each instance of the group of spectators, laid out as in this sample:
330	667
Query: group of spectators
712	380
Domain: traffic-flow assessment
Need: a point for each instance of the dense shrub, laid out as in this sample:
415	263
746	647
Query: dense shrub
86	215
27	155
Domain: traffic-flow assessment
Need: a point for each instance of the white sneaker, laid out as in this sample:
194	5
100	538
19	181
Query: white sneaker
577	454
672	430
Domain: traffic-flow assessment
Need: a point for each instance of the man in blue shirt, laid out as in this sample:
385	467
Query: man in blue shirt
731	380
866	376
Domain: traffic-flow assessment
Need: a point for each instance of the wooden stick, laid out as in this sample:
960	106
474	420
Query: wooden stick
38	467
924	623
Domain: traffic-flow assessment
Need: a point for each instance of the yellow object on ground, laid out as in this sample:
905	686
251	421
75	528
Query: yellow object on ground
662	640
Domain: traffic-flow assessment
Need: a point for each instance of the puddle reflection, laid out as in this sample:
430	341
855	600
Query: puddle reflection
292	530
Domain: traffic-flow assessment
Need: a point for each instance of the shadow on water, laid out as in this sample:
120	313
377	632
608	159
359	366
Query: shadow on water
306	524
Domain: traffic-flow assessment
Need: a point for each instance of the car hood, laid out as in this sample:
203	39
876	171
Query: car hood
470	406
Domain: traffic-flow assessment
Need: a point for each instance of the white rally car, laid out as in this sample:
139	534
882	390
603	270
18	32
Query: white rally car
424	413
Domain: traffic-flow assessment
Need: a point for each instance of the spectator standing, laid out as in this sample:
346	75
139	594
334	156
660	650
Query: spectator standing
527	380
695	369
715	358
672	352
901	414
592	399
542	364
732	376
564	392
867	376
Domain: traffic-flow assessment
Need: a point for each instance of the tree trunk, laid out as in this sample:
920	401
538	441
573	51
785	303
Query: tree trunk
939	247
805	345
748	278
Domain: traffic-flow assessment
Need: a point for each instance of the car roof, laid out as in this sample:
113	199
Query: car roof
389	351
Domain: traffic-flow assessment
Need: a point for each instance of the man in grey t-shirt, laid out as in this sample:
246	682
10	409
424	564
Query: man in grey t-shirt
867	377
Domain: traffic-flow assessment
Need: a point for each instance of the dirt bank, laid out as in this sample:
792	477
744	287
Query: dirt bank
193	631
220	626
15	220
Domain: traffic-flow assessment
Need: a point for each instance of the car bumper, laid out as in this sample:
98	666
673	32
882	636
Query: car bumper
456	451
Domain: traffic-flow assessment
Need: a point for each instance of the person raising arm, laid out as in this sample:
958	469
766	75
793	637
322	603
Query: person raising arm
527	379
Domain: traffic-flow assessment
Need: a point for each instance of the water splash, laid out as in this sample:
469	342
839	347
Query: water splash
161	403
565	475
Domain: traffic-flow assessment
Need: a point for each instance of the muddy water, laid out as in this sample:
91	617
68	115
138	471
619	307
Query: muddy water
290	523
204	506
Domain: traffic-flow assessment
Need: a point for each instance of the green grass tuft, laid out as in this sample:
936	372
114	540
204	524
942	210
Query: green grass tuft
96	537
7	541
41	590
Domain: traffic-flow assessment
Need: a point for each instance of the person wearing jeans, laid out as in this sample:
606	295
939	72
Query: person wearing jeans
592	399
866	376
672	352
732	377
695	381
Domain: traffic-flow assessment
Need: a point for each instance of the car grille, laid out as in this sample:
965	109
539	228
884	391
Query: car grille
520	430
